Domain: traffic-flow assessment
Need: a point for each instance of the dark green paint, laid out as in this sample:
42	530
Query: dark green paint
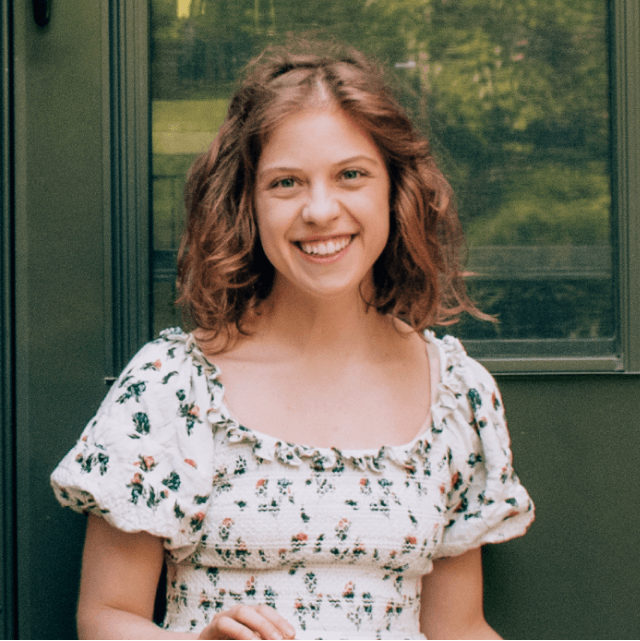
7	423
576	574
60	229
575	437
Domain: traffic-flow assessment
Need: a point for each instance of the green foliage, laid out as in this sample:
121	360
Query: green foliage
513	95
570	207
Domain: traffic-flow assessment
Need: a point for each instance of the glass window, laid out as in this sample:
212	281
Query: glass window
515	98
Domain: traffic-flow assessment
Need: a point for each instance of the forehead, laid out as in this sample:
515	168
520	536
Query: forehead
317	134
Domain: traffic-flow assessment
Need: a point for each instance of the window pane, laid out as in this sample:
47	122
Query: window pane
515	98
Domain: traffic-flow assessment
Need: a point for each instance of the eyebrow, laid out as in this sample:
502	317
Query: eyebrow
346	161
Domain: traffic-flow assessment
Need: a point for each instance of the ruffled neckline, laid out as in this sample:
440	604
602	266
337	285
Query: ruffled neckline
265	447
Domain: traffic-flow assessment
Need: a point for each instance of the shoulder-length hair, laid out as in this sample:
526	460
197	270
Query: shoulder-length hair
223	273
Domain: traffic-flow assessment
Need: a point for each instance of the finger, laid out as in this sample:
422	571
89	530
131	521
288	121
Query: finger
262	619
228	628
286	629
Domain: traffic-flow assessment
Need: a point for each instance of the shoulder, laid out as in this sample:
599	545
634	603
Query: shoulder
459	372
145	461
468	410
486	502
162	367
163	394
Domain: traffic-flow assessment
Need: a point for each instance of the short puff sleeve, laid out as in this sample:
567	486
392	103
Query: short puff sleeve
486	503
144	462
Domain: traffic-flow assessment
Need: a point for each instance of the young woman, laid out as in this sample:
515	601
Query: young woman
309	462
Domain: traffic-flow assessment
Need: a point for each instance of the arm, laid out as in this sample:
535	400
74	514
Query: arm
119	580
120	575
451	606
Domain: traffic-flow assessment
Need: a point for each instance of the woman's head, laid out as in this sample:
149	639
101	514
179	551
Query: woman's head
223	271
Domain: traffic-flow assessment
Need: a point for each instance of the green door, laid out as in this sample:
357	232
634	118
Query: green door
105	106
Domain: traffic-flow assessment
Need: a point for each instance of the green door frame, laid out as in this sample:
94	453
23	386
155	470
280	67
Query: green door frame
7	423
91	63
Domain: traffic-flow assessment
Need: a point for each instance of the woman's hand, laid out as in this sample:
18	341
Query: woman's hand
248	622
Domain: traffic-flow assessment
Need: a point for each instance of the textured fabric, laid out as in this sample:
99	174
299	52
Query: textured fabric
336	541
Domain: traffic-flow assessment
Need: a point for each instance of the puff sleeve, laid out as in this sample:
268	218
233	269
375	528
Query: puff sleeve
486	503
144	462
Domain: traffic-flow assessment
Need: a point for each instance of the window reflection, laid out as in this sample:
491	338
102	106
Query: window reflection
515	95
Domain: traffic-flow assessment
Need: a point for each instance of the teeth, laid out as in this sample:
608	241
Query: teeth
325	248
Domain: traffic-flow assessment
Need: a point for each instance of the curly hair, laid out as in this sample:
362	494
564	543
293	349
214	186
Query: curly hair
223	272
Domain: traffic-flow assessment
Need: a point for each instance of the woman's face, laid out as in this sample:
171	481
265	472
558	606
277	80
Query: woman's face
322	202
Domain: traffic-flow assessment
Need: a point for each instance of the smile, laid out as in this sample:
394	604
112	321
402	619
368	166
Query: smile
325	247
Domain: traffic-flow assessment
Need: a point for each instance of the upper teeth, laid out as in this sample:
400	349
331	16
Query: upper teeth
326	247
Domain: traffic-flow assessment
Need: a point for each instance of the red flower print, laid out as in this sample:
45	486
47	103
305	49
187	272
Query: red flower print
84	438
137	478
148	461
364	481
299	605
261	482
191	462
348	590
301	536
198	516
79	457
195	411
455	479
443	489
158	364
227	522
411	540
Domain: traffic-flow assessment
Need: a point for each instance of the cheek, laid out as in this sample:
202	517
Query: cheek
271	235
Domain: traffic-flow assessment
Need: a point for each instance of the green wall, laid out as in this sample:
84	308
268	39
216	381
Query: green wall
575	438
576	574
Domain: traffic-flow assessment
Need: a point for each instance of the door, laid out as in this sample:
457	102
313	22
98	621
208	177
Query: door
87	273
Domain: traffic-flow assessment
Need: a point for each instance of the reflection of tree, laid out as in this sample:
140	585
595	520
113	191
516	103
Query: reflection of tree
513	89
503	80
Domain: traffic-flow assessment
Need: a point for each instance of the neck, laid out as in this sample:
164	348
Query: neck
324	327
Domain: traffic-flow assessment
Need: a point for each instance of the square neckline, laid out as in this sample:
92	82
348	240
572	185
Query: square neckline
436	365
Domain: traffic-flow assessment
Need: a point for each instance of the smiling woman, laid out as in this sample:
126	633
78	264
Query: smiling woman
224	272
322	199
309	461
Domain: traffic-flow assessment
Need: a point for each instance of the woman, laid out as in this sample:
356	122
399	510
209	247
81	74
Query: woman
308	462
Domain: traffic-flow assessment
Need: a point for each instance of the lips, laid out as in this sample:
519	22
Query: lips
325	247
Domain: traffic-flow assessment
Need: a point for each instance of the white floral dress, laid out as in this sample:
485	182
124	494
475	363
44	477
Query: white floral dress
336	541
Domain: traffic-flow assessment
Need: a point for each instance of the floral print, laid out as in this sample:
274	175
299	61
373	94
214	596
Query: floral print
335	540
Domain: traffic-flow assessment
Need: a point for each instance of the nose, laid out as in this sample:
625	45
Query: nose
321	207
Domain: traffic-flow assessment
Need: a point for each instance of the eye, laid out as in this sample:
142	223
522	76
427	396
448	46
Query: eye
352	174
284	183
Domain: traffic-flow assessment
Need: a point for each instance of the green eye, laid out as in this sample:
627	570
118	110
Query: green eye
287	183
352	174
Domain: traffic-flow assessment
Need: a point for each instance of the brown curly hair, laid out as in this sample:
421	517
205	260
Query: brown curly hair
223	273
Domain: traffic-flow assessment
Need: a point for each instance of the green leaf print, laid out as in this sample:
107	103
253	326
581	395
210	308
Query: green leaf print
135	390
172	481
177	511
